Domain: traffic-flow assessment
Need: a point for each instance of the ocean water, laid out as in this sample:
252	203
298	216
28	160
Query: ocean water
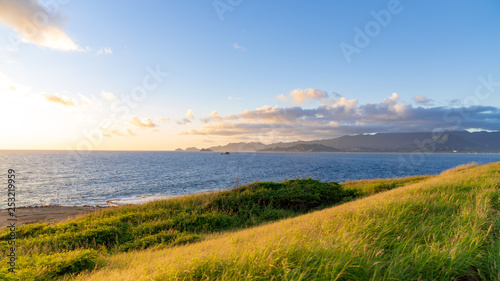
61	178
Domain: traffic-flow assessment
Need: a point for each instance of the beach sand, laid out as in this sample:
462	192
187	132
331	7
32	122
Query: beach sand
48	214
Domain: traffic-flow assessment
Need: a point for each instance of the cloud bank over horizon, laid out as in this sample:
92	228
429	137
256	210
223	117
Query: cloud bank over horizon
340	116
308	114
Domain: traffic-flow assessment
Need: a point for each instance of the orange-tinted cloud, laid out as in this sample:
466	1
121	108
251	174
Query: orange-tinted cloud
190	114
300	96
162	119
36	25
114	132
145	123
60	99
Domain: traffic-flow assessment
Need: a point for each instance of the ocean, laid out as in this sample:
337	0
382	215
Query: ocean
92	178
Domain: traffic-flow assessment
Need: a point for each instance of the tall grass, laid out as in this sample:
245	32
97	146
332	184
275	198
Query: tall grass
460	167
370	187
443	228
83	243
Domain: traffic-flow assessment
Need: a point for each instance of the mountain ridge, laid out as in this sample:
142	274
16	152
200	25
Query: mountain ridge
449	141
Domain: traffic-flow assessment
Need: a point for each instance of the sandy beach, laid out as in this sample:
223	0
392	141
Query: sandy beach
48	214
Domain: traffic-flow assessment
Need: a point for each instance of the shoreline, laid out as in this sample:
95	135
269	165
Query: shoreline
52	214
46	214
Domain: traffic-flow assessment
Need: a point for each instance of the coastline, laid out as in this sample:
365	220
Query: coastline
46	214
55	213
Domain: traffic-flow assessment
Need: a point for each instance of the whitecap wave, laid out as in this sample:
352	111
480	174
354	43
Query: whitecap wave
136	200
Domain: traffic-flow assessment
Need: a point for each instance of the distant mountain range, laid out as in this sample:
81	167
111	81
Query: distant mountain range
303	148
452	141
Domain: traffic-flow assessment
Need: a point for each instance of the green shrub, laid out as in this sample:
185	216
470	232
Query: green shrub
300	195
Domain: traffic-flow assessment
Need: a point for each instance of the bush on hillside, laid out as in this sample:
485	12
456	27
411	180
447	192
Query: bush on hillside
299	195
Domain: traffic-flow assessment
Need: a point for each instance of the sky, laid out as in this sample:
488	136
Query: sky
160	75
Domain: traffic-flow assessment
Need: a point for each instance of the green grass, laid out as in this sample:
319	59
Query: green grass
370	187
165	223
443	227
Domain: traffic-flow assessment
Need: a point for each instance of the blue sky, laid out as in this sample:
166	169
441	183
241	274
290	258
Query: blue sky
272	70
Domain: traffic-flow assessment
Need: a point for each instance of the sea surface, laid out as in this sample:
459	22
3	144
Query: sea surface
92	178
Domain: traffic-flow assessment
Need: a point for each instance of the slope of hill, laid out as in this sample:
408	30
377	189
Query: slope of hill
51	251
443	228
445	143
488	140
453	141
60	251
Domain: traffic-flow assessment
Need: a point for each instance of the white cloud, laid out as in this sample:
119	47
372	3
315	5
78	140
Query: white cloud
214	115
162	119
109	132
110	97
87	102
7	86
282	98
300	96
238	47
422	100
391	104
144	123
34	24
190	114
345	104
184	121
105	51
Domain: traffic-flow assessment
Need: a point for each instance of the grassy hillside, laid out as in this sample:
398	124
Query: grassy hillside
68	248
442	227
